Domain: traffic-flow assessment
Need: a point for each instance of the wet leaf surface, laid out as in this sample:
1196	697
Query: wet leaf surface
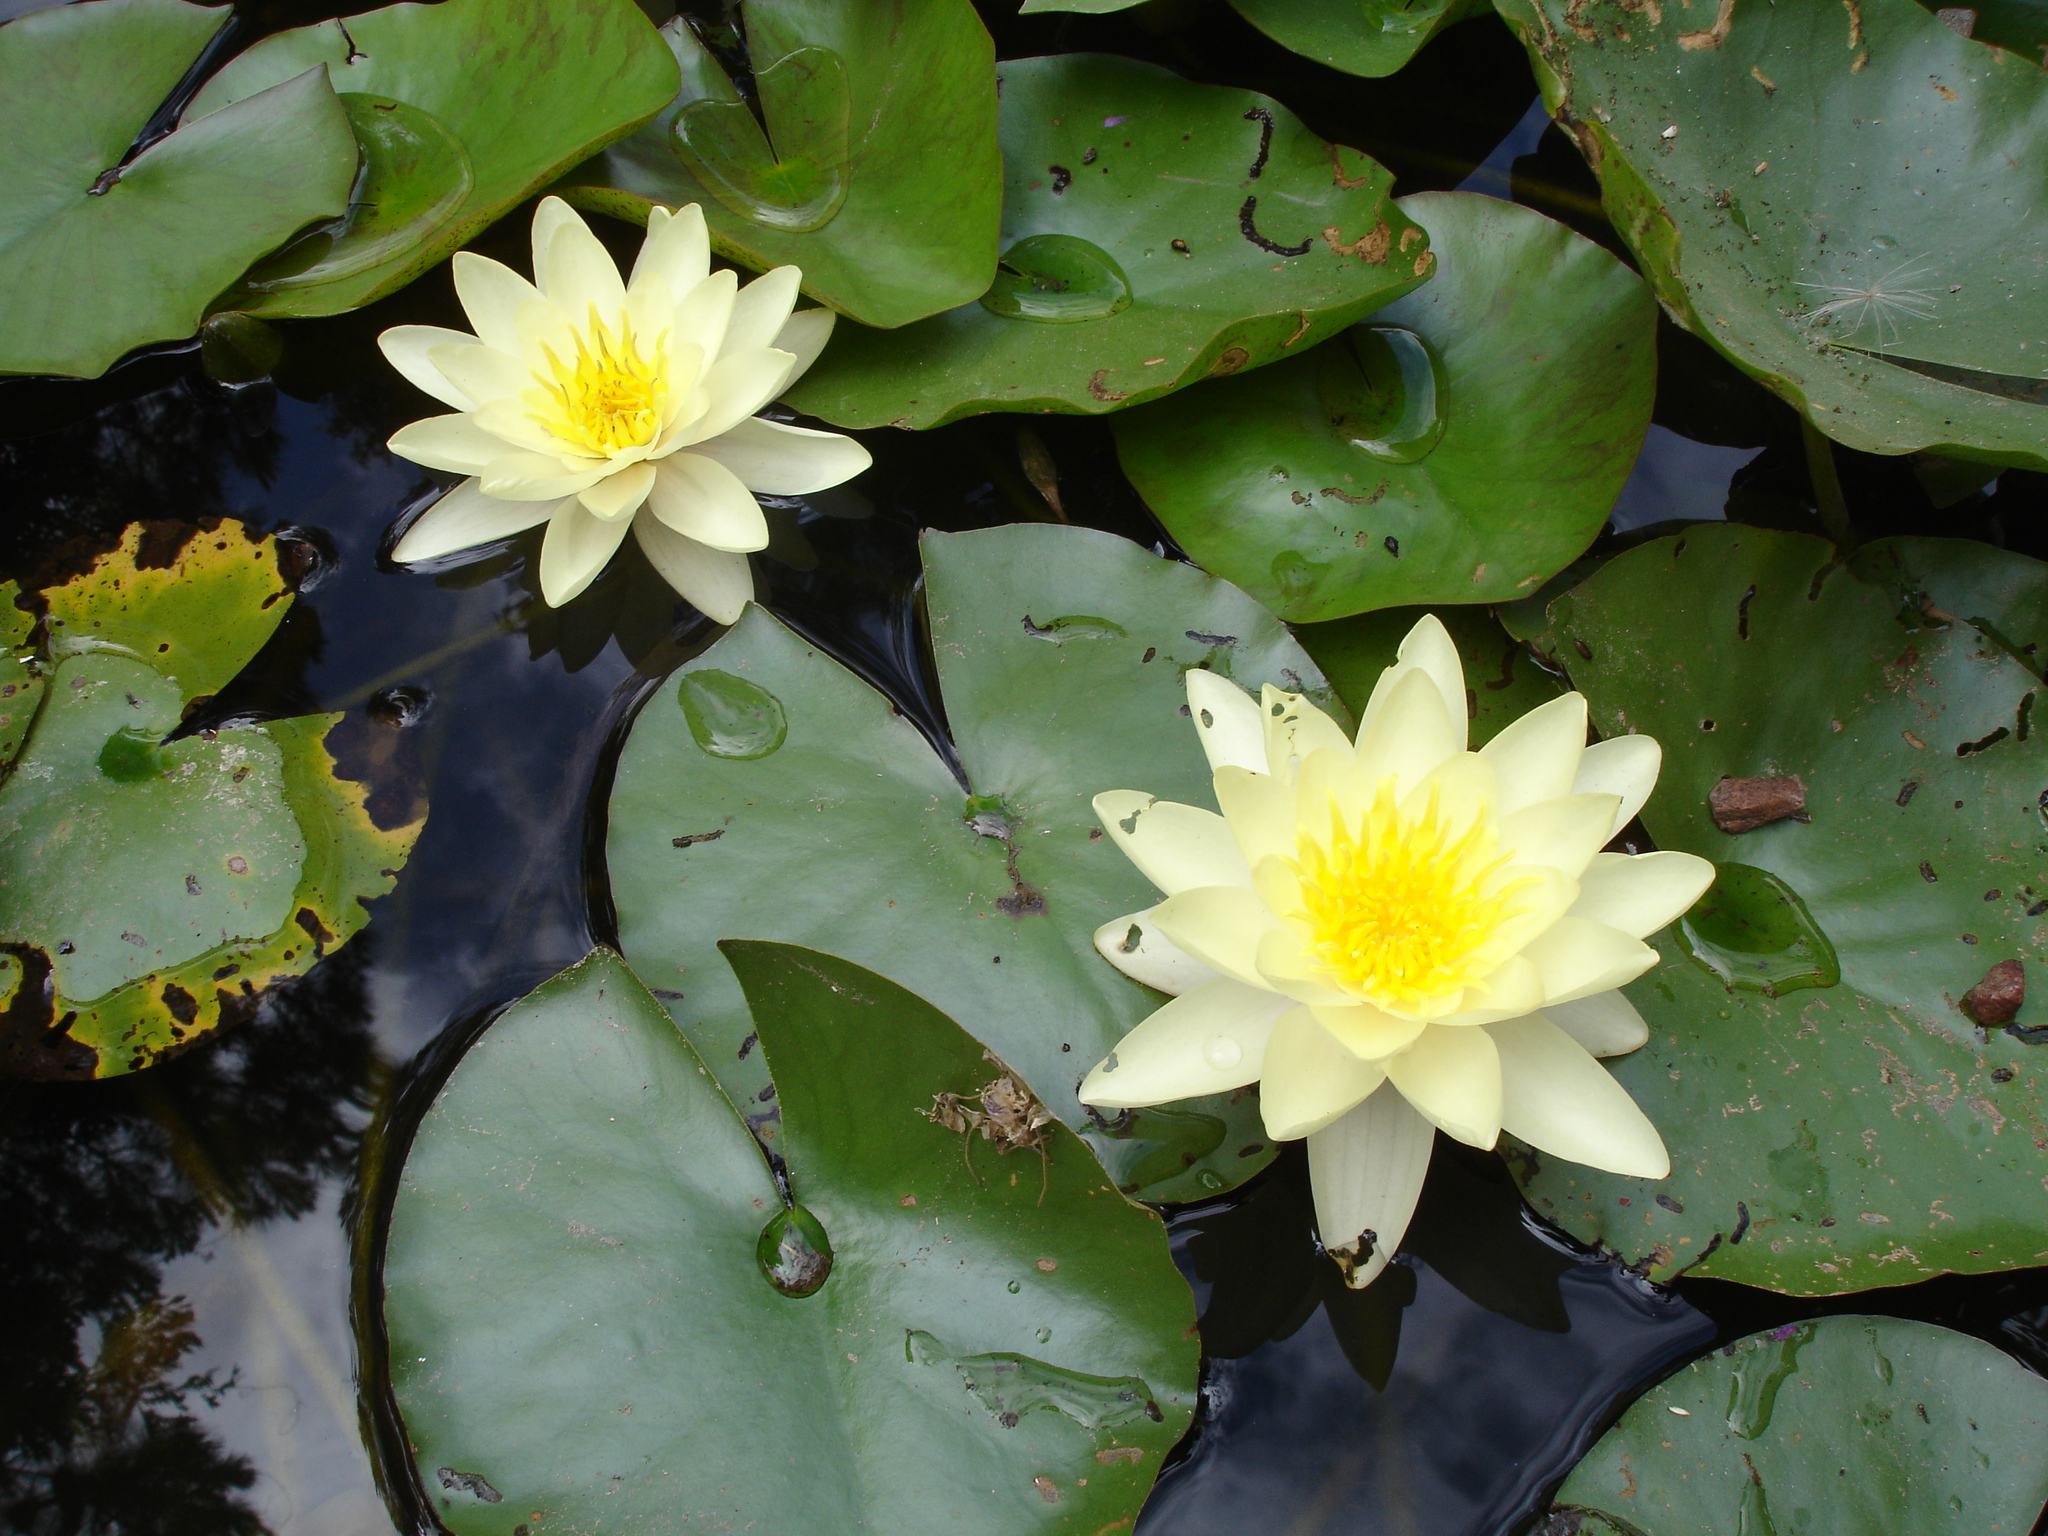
99	263
1847	1426
1829	1137
1059	653
1240	235
878	172
1835	197
522	88
1460	445
580	1326
151	883
1360	37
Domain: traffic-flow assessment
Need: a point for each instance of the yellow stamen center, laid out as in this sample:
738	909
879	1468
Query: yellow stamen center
609	396
1397	907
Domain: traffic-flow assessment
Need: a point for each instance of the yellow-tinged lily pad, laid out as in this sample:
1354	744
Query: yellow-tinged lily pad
152	883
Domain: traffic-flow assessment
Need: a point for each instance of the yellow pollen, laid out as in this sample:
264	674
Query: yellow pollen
1397	907
609	397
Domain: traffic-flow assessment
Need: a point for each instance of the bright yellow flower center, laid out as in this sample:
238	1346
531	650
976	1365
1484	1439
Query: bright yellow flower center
1397	907
609	396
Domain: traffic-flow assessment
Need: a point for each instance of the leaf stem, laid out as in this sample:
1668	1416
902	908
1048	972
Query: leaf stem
1827	486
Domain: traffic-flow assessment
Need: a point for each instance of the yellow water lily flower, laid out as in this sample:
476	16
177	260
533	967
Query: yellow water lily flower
1395	935
595	404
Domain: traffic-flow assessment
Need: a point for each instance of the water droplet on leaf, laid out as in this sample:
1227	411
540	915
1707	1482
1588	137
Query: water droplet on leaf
1752	930
729	716
793	175
794	1252
1057	278
1383	388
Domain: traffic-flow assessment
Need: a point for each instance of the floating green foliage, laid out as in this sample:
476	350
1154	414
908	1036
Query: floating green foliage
1360	37
878	172
151	883
1183	230
101	257
463	109
1840	198
600	1308
1460	446
1828	1137
1845	1426
769	793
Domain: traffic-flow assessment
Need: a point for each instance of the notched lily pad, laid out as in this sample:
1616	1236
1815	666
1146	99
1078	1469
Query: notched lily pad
877	171
1844	1426
980	1340
1203	231
1360	37
769	793
103	257
1829	1134
152	883
1837	197
463	108
1461	445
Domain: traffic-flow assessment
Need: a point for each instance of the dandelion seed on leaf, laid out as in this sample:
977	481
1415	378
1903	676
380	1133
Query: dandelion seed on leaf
1878	301
596	404
1393	935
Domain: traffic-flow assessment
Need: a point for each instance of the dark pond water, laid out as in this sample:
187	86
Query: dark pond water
179	1351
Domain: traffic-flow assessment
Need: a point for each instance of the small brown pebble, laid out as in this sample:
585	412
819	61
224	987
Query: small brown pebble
1997	998
1742	805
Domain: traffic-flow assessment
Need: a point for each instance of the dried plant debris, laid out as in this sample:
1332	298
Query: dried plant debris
1743	805
1003	1111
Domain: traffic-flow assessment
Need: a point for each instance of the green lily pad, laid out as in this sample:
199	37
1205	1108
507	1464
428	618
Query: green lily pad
878	173
1205	231
1837	197
1846	1426
582	1334
2019	25
470	106
768	793
1360	37
150	887
98	264
1829	1137
21	680
1461	446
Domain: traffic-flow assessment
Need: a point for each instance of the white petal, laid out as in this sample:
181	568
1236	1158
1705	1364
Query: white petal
1294	729
1426	648
406	347
1367	1032
482	373
1412	732
1367	1171
1558	1099
762	310
1261	812
737	386
677	249
704	314
1226	721
1537	756
519	476
1564	833
576	548
718	583
1578	958
1640	893
779	460
706	502
1220	925
1177	847
1621	765
1135	946
491	295
619	495
1309	1080
1452	1077
574	270
549	215
803	336
1210	1040
454	443
465	517
1606	1023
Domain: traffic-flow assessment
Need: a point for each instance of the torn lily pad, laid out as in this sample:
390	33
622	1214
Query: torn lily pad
1154	232
582	1204
152	883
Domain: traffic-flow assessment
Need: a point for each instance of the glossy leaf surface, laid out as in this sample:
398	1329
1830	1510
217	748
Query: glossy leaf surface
799	806
1239	235
1461	445
878	173
1831	1137
580	1327
1360	37
99	263
1838	198
1845	1426
495	98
